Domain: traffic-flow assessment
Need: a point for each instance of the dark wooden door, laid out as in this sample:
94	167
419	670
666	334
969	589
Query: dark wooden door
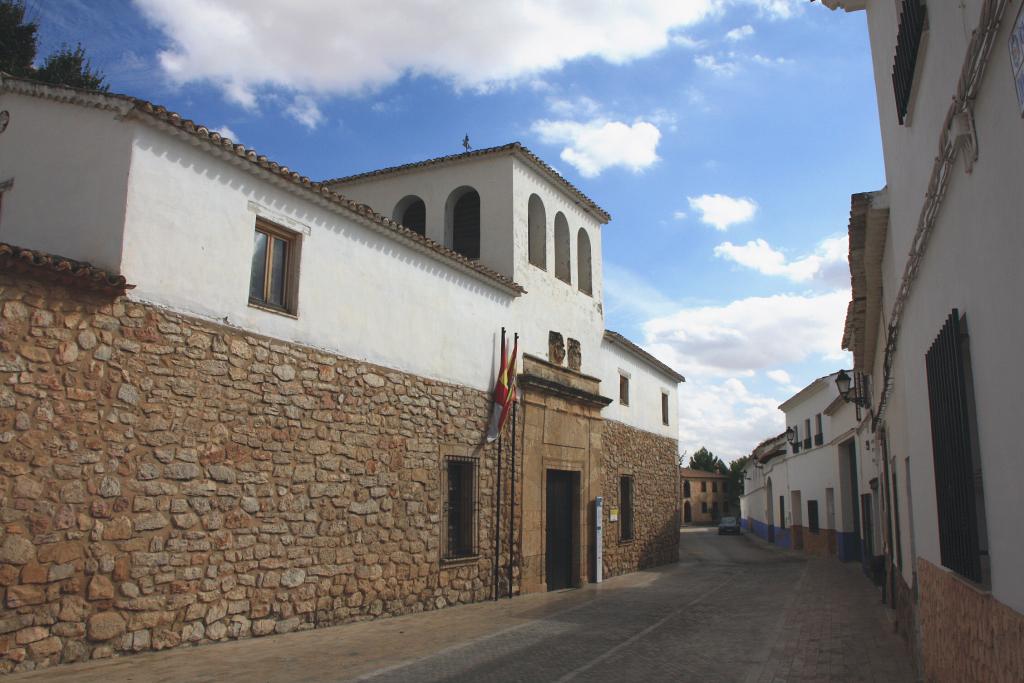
560	536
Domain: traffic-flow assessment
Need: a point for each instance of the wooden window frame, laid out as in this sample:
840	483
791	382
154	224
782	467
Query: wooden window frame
291	272
664	409
623	389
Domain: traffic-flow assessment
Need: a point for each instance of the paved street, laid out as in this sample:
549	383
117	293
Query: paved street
732	610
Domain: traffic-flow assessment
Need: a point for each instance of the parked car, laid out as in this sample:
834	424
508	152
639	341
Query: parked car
729	525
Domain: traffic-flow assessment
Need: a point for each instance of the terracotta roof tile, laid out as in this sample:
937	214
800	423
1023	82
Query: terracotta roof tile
212	140
67	271
516	148
621	341
700	474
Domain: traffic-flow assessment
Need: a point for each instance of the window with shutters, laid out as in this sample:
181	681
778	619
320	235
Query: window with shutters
463	216
460	508
626	508
412	213
537	235
703	487
686	489
819	435
963	543
563	259
273	279
807	433
583	264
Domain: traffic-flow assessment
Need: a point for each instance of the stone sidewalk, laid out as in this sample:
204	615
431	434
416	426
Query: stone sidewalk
734	609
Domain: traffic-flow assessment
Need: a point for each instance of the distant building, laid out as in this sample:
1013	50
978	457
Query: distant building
706	496
801	487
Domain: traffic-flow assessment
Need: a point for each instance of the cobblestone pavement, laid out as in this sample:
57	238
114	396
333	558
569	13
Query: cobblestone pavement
733	609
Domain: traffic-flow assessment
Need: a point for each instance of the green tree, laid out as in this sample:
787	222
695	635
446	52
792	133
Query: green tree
705	461
18	47
71	67
17	39
735	475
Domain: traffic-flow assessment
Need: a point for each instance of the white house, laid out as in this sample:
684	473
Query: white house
801	486
935	324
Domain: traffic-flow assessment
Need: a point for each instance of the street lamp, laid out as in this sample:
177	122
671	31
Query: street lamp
843	383
791	436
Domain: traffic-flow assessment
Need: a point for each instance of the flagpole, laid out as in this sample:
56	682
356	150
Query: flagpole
497	503
512	494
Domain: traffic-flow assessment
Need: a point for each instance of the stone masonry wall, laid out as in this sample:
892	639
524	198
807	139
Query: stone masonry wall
653	462
166	481
966	634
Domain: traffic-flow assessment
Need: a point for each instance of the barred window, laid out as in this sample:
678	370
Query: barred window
958	484
460	507
626	505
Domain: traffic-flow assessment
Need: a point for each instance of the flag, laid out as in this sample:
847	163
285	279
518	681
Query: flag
510	395
500	396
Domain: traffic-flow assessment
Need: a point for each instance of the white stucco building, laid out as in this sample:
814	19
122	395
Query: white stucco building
172	206
935	323
800	490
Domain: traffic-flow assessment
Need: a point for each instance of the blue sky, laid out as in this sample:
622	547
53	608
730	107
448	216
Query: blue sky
724	137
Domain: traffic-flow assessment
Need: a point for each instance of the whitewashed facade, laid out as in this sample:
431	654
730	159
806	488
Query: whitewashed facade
935	324
801	495
174	213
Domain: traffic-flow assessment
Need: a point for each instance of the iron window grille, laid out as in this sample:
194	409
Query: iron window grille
626	505
958	483
819	435
908	40
461	507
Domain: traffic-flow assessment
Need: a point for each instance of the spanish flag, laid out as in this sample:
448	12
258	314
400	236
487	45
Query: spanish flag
504	390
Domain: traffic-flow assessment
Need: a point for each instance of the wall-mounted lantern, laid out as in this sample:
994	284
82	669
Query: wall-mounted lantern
844	384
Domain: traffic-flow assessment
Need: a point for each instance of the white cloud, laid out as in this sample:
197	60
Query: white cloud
227	133
598	144
324	46
739	33
304	110
746	335
779	9
715	66
770	61
679	215
725	417
721	210
582	106
687	42
828	263
724	348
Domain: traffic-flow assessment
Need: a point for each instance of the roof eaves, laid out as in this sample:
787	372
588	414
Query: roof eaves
147	111
624	343
65	270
